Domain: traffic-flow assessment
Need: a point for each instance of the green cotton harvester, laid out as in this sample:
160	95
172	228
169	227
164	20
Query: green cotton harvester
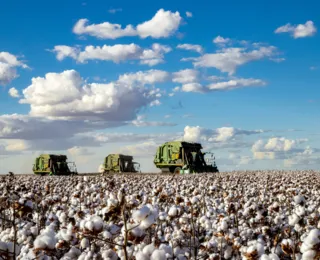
184	157
118	163
51	164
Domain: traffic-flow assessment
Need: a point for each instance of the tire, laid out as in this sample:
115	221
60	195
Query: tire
177	170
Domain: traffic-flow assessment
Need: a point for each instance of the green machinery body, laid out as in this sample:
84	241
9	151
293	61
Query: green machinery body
51	164
118	163
183	157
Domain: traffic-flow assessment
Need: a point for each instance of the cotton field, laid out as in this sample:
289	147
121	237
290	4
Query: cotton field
265	215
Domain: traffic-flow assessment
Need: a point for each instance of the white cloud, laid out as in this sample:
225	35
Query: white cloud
63	51
229	59
277	144
162	25
140	122
236	83
144	77
185	76
104	30
155	103
306	157
298	31
12	147
16	145
219	135
155	55
114	10
220	40
144	149
190	47
8	67
34	128
67	95
275	148
215	78
219	86
115	53
189	14
192	87
13	92
79	151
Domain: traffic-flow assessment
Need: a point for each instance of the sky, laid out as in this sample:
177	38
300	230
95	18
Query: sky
89	78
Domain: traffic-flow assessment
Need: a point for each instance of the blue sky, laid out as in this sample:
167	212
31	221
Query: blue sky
270	82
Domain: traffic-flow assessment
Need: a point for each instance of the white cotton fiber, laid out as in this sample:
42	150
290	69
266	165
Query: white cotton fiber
140	214
158	255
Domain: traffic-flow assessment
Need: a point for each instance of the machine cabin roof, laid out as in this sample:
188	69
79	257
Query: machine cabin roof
184	144
122	156
54	156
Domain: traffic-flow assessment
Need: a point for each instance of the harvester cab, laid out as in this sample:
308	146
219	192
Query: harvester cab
182	157
51	164
118	163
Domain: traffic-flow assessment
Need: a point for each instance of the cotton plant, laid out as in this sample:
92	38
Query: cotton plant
266	215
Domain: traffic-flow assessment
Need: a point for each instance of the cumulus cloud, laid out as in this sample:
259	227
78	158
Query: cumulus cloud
66	95
116	53
185	76
13	92
144	149
236	83
221	41
140	122
229	59
193	87
144	77
219	135
298	31
220	86
190	47
162	25
15	146
8	67
306	157
31	128
79	151
275	147
189	14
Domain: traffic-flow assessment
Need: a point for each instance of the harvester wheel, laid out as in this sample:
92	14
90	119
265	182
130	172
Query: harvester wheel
177	170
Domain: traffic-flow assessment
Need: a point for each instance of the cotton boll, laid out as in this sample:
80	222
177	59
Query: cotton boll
148	249
300	211
147	222
312	239
107	235
166	248
224	225
141	213
158	254
228	252
173	211
141	256
299	199
84	243
98	223
310	254
293	219
195	200
73	253
109	255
